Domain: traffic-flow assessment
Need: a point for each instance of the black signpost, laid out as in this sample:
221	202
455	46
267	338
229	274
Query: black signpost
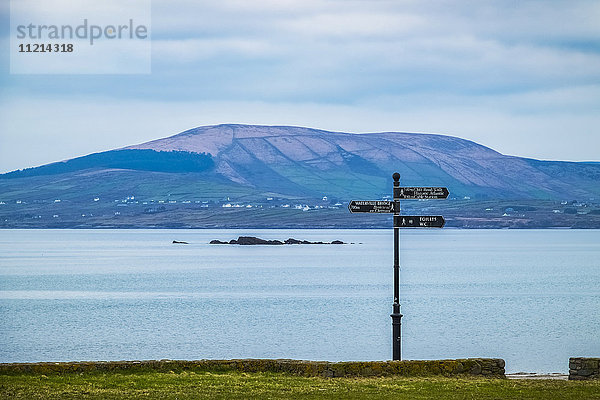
371	206
420	193
401	221
416	221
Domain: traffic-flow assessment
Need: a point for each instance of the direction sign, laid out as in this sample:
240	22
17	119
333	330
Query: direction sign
420	193
424	221
401	221
371	206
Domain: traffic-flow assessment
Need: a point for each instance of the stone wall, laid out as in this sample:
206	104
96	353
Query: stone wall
485	367
581	368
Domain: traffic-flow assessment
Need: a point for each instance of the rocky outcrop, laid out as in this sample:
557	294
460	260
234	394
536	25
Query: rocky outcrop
251	240
248	240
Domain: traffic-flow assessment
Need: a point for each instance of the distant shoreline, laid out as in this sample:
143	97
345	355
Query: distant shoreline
560	228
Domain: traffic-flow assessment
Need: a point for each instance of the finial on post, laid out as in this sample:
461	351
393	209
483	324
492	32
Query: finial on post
396	176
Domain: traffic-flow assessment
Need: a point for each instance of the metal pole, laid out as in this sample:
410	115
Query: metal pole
396	316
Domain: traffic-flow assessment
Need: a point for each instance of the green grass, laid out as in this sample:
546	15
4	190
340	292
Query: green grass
237	385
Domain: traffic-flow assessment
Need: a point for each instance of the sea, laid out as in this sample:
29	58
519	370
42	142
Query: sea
531	297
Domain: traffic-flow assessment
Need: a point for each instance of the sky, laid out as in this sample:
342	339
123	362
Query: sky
522	77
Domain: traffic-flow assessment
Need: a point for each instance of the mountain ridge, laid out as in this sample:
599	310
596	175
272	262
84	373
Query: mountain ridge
423	159
248	176
293	161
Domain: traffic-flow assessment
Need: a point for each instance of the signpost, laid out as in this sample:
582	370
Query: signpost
401	221
420	193
371	206
415	221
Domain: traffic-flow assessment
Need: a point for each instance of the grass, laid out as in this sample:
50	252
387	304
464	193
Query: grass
237	385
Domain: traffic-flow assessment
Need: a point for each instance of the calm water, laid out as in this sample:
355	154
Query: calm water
530	297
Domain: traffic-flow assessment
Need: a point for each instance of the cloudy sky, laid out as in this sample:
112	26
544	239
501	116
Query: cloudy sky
522	77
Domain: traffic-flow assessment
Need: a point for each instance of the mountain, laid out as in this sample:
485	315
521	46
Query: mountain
278	166
309	162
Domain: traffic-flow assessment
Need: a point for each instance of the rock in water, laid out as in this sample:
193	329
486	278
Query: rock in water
251	240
